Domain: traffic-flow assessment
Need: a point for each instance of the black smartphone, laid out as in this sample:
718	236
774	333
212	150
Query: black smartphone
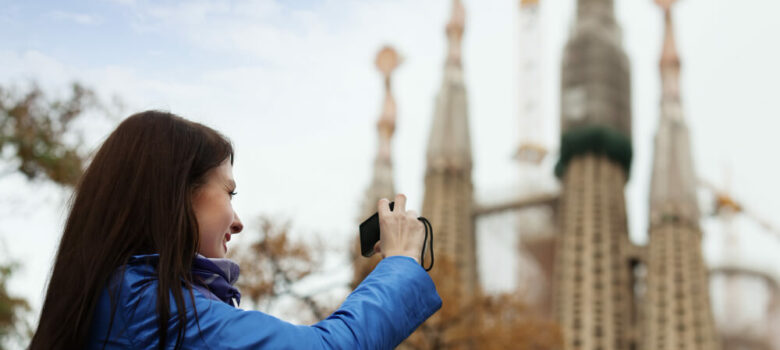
369	233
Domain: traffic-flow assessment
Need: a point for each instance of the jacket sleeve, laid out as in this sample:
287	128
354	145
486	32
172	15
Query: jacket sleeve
380	313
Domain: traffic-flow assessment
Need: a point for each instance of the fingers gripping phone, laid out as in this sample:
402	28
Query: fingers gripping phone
369	233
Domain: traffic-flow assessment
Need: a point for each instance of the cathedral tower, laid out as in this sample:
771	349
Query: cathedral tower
677	312
449	197
593	292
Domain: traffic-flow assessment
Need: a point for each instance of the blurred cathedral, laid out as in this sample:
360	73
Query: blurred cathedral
604	291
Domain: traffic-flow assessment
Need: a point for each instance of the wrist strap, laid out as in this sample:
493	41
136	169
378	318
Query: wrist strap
428	228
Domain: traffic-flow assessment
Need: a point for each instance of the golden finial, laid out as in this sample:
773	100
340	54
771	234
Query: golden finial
387	60
666	5
528	2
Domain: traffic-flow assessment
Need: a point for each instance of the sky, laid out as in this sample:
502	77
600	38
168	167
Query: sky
293	84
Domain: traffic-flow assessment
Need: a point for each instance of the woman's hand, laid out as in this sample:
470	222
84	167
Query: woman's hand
400	233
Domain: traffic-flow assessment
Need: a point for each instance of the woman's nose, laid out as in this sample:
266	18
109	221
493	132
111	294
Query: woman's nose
236	226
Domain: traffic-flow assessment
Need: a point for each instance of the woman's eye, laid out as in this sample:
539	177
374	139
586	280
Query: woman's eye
232	193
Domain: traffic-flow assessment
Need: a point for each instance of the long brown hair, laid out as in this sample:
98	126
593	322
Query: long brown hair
134	198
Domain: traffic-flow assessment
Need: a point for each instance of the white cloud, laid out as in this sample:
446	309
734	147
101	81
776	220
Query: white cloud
76	17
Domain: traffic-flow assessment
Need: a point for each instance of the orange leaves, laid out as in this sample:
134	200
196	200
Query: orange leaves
481	321
273	263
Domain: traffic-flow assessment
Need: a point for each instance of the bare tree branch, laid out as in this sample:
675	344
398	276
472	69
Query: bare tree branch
274	264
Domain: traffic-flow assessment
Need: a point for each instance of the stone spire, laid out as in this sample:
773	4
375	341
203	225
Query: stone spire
382	182
448	199
673	186
677	303
381	186
670	59
449	144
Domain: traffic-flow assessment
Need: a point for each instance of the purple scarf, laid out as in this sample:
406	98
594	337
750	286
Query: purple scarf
215	278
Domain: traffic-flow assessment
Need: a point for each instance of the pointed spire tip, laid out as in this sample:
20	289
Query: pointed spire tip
669	55
457	19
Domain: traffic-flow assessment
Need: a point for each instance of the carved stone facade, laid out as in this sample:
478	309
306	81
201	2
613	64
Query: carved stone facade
593	295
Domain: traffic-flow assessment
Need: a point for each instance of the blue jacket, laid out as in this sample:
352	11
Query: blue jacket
380	313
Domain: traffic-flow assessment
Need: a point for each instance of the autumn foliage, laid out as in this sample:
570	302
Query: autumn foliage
481	321
37	140
12	309
272	264
37	130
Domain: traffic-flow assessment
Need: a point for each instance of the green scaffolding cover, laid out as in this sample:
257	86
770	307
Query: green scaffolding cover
596	139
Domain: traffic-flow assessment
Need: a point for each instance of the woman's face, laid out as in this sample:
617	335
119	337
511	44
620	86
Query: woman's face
214	212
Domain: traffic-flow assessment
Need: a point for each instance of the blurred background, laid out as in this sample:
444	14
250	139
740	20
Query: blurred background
331	103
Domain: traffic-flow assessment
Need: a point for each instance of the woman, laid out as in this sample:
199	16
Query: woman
140	264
